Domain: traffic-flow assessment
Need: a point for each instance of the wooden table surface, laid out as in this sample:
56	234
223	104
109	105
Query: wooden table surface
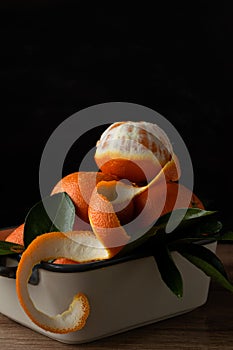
207	327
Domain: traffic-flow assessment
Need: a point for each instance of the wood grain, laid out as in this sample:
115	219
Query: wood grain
208	327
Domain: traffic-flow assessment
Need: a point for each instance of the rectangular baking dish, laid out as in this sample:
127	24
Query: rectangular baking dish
123	294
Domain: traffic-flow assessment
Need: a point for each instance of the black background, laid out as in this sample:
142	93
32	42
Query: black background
58	57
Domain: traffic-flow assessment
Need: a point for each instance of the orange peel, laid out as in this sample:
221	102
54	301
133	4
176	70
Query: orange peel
171	171
16	236
55	245
104	220
174	196
79	186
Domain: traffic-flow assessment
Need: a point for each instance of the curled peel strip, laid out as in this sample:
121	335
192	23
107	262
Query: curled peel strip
51	246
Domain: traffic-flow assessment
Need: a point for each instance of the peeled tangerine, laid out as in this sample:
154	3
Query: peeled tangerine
137	151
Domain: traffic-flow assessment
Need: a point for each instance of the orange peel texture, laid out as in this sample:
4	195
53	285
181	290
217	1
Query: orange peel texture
79	186
103	218
16	236
55	245
156	194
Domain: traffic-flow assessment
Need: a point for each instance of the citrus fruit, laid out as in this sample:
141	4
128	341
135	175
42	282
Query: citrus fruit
173	196
79	186
16	236
64	261
136	151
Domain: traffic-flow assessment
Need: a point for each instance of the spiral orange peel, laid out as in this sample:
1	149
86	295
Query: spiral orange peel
103	219
81	247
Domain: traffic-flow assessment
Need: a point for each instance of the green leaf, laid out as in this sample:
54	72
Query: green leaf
53	213
190	217
200	230
10	248
187	214
196	223
168	270
207	261
133	245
